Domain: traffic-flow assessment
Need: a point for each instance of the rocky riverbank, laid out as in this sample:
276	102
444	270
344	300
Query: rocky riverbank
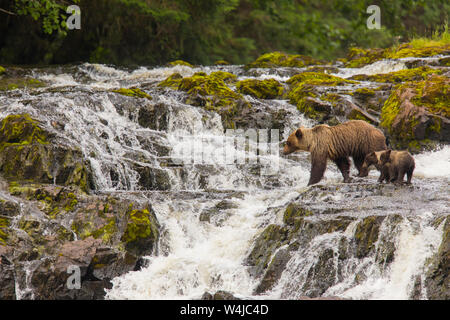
89	179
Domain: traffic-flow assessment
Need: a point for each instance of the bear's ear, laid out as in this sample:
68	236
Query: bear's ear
386	156
299	133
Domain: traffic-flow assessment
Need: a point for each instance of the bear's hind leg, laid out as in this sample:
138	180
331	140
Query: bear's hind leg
344	166
409	175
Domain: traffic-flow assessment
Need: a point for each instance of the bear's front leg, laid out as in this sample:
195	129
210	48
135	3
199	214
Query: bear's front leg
318	167
344	166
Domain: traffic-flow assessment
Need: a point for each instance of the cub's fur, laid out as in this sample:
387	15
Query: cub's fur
355	138
393	165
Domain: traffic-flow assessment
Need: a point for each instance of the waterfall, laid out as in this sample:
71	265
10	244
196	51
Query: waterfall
211	212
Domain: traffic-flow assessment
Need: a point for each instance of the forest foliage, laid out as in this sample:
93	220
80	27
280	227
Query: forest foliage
154	32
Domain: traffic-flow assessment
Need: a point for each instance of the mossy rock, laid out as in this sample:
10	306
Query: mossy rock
172	81
226	77
13	83
445	62
52	200
272	238
2	70
410	50
141	232
417	113
20	130
221	63
133	92
437	279
414	74
28	155
261	89
366	235
304	90
180	63
211	93
358	57
280	59
4	230
294	211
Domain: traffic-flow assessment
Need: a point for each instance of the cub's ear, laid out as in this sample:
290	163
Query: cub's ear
299	133
386	156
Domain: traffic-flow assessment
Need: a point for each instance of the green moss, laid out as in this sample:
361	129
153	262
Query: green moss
214	89
400	76
303	86
133	92
180	63
434	95
262	89
366	235
294	211
317	79
173	81
139	226
19	130
2	70
221	63
106	232
7	84
280	59
224	76
4	225
356	114
431	94
444	62
417	50
358	57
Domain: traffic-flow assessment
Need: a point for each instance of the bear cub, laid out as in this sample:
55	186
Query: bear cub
393	165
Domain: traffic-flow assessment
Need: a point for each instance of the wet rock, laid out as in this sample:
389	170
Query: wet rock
437	281
272	238
7	278
75	259
155	117
29	153
141	232
219	295
415	116
217	213
366	235
151	178
280	59
274	271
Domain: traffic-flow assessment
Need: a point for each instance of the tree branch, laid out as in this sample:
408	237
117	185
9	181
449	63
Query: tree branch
7	12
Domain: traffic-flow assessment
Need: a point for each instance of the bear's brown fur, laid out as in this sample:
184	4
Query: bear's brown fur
393	165
355	138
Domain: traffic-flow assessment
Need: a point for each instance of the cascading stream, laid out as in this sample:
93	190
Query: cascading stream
204	243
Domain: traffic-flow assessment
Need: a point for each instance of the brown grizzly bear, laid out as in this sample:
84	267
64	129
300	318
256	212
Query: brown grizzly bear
355	138
393	165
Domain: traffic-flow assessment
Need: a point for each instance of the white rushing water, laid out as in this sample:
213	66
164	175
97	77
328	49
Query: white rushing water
196	256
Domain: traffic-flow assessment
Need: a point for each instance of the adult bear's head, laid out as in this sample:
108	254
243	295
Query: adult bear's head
296	141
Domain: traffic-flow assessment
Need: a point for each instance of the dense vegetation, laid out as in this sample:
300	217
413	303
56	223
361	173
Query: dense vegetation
154	32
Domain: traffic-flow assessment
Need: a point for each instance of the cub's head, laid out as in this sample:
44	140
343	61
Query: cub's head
374	158
385	156
296	141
